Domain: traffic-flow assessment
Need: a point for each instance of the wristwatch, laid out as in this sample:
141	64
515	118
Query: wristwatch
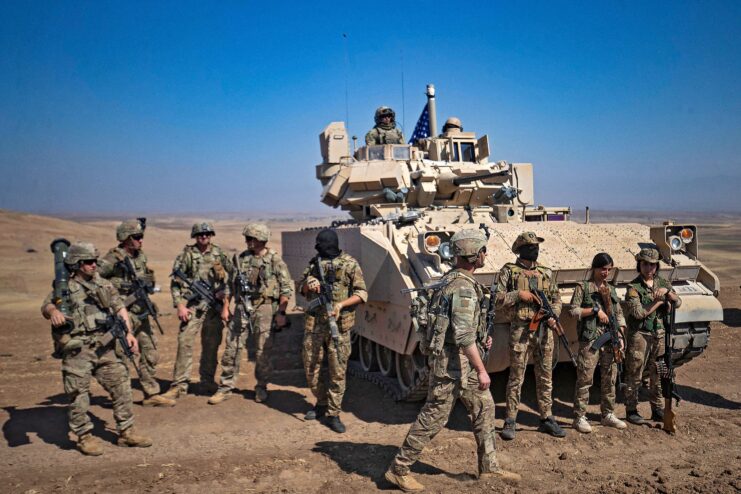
595	310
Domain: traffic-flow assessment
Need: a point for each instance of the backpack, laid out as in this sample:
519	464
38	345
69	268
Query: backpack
430	312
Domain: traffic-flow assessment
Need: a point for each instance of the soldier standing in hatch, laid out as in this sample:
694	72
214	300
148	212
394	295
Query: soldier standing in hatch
513	289
342	272
645	308
206	262
87	350
457	368
385	131
452	127
130	236
270	288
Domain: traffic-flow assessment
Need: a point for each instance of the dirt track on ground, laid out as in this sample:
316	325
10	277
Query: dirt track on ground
242	446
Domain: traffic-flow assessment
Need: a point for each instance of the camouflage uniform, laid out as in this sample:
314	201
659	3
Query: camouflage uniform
91	301
269	276
110	268
512	278
212	267
384	133
589	330
453	377
644	341
348	281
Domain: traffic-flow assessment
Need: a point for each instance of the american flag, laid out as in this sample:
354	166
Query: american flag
422	129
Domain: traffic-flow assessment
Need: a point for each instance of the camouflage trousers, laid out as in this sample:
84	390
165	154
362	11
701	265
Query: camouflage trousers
317	343
148	358
109	370
237	339
586	362
441	397
209	324
524	343
643	351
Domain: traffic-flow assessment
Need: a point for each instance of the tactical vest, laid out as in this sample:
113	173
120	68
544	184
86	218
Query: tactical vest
654	322
206	266
538	278
90	303
338	272
588	328
261	272
121	280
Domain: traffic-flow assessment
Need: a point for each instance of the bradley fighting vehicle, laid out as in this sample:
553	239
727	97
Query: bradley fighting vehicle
407	201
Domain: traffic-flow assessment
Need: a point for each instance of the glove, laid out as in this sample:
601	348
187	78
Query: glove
312	284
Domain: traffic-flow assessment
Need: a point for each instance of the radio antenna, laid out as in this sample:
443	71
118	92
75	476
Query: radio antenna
347	83
403	98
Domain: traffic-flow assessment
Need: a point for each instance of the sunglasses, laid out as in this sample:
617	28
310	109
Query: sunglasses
89	262
204	234
138	236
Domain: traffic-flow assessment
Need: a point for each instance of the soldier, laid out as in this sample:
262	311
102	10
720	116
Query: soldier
588	308
385	131
514	289
89	351
645	307
268	283
206	262
343	273
130	236
452	126
457	368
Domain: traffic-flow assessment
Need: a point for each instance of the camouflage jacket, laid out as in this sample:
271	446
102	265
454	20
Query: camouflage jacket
638	296
109	267
346	278
267	275
590	328
90	302
514	277
211	266
378	135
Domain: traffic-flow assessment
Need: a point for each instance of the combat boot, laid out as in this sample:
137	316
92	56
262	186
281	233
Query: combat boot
158	401
130	438
406	483
550	426
336	424
610	420
173	393
508	432
582	425
219	396
316	413
634	417
261	394
657	414
501	474
89	445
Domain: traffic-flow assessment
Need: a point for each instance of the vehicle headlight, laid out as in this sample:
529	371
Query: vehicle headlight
687	235
445	251
675	242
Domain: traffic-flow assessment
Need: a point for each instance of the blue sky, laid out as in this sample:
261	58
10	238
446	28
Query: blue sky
194	107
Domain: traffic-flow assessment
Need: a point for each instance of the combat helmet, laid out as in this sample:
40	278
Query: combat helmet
526	238
382	111
81	251
257	231
648	254
467	243
127	229
453	122
204	227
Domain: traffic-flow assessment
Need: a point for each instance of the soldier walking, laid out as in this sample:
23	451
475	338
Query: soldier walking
457	368
385	130
515	289
593	319
645	307
130	236
347	289
87	350
207	263
262	287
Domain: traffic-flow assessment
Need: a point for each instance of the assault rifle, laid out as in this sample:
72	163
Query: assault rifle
117	330
201	290
141	291
612	335
243	301
541	317
666	372
325	300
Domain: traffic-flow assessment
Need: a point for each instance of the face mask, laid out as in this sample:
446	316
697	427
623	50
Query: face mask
529	252
327	244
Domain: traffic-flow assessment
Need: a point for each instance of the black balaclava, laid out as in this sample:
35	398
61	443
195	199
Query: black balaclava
529	252
327	244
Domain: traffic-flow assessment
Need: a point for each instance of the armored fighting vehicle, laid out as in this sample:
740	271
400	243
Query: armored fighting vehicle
406	201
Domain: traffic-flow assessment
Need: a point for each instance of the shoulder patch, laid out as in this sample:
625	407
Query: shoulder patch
631	293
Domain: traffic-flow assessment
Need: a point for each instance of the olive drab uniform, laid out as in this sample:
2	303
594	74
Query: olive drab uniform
461	314
212	267
269	279
346	278
378	135
589	329
644	341
110	268
512	278
94	354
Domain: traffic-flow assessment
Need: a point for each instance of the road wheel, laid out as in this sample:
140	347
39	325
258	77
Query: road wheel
367	354
385	359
